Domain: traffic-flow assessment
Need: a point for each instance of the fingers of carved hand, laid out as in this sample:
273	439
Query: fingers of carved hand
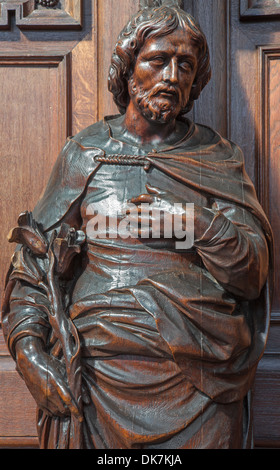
143	198
154	195
156	214
146	222
157	197
45	377
58	399
154	190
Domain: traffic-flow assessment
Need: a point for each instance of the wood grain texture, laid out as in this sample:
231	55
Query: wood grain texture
266	403
109	27
18	416
273	158
212	16
3	347
27	16
84	74
268	148
254	9
15	442
243	96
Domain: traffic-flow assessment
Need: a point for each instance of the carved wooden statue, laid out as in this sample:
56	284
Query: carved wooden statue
125	340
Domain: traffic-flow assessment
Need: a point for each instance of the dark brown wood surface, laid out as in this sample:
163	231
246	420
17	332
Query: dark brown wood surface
53	83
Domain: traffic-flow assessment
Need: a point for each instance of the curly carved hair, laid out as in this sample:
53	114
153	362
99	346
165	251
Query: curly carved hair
152	23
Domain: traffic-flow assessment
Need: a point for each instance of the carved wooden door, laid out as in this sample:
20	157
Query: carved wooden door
54	59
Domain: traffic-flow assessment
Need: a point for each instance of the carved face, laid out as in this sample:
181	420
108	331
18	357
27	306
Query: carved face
163	76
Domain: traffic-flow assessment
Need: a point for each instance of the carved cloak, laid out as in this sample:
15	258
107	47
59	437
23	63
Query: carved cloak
213	166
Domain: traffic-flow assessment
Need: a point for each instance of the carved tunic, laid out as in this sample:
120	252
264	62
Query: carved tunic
170	342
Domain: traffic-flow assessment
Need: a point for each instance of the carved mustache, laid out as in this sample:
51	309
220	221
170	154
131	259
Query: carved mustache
171	90
140	92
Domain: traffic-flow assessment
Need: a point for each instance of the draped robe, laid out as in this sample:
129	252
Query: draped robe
170	340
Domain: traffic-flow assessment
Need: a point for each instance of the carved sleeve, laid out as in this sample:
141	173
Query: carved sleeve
234	250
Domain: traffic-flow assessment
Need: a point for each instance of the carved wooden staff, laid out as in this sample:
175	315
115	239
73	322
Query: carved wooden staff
56	257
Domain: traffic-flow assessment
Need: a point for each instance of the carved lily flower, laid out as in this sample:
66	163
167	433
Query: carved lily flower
66	244
28	234
58	253
25	268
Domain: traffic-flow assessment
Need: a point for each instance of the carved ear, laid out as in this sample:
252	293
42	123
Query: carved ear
158	3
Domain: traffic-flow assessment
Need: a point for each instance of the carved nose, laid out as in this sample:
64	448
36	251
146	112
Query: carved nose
171	72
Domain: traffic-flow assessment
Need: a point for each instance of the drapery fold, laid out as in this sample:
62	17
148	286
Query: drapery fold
206	322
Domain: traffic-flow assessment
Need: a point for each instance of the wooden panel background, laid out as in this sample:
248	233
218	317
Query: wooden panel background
53	82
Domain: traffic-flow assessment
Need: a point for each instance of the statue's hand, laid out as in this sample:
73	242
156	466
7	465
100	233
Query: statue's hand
181	217
159	212
45	378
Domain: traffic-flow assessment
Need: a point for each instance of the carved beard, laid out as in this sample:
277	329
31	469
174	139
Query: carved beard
150	106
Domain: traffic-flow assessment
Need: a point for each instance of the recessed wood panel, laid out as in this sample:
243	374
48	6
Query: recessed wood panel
84	73
109	27
266	400
33	126
18	409
254	9
31	14
216	91
267	394
269	151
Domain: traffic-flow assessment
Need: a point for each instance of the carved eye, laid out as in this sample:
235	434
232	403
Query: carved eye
186	66
157	60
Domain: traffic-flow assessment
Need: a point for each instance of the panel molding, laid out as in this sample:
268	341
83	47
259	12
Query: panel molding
28	16
267	160
18	423
266	55
15	442
254	9
266	395
48	59
3	347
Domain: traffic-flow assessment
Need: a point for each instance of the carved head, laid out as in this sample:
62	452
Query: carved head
152	23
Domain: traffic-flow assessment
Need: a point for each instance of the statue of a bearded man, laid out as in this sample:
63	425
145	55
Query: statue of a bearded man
141	341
